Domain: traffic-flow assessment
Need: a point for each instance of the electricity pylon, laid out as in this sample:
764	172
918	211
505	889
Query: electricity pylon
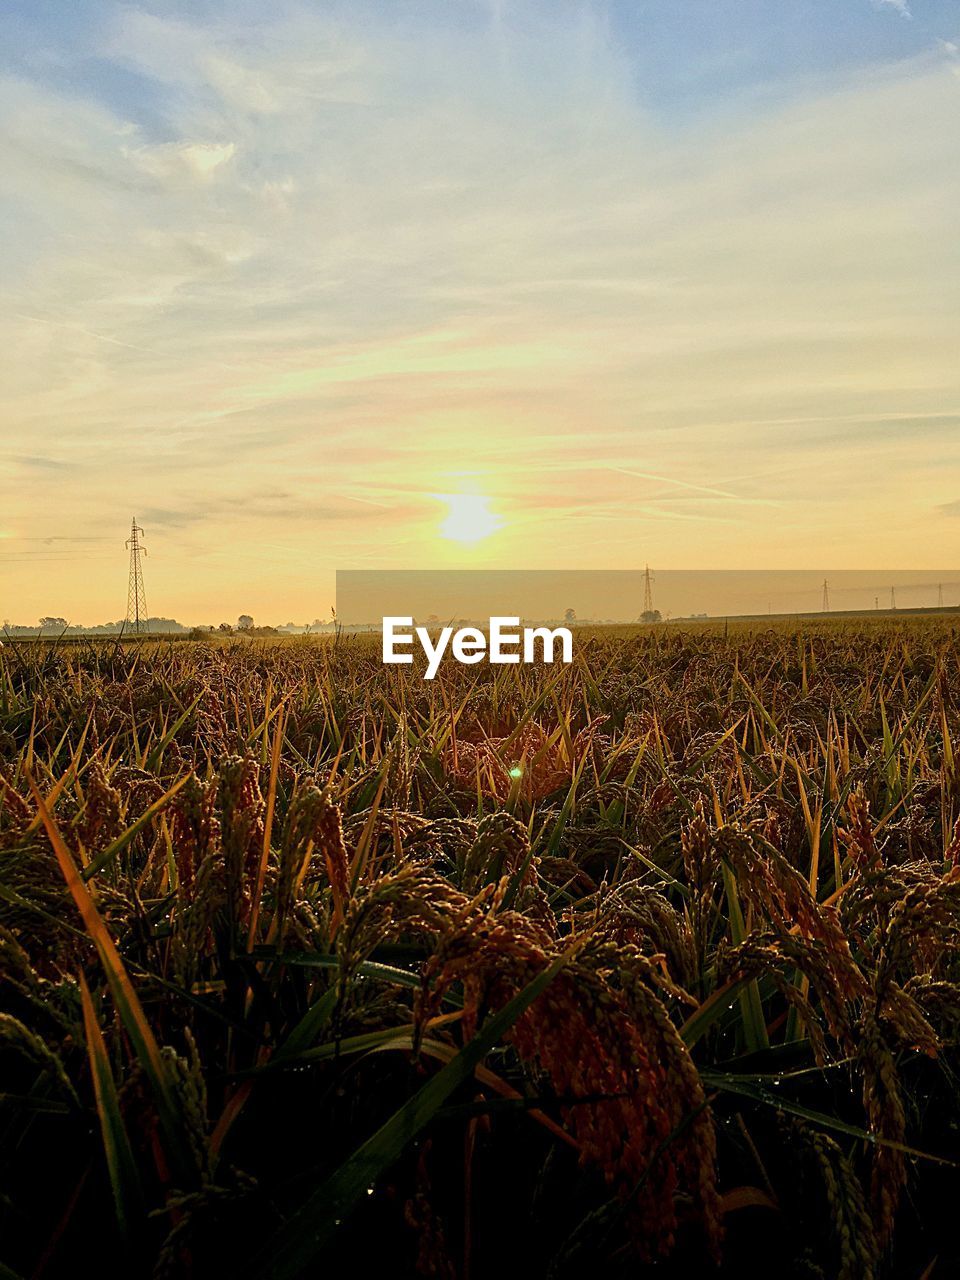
939	595
647	592
826	597
136	596
893	597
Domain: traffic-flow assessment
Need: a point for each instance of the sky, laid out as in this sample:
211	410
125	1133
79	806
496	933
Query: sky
472	283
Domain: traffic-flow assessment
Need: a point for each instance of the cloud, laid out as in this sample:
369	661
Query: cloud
257	505
55	538
196	160
34	463
950	508
167	518
340	262
901	6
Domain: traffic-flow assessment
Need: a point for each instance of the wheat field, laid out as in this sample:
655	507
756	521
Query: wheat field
647	965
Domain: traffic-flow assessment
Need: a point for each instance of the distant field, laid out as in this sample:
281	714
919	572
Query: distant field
792	621
643	966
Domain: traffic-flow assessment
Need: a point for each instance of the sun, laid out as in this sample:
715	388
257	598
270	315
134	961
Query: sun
468	519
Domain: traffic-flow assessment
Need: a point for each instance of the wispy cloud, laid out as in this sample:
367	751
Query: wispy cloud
901	6
31	462
346	258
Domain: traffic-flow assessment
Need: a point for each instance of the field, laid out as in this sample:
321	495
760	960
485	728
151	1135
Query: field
649	965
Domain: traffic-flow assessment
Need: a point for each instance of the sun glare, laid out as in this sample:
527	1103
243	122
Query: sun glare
468	519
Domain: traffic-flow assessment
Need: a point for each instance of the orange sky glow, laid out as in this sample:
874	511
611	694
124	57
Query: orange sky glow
311	313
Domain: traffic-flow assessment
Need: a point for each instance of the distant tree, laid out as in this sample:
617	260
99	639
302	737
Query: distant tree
244	622
226	627
651	615
58	624
570	615
165	624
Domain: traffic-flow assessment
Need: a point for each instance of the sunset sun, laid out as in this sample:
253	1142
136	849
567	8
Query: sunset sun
468	519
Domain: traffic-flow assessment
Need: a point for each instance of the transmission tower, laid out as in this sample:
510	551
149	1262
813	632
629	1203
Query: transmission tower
136	597
939	595
893	597
647	591
826	597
